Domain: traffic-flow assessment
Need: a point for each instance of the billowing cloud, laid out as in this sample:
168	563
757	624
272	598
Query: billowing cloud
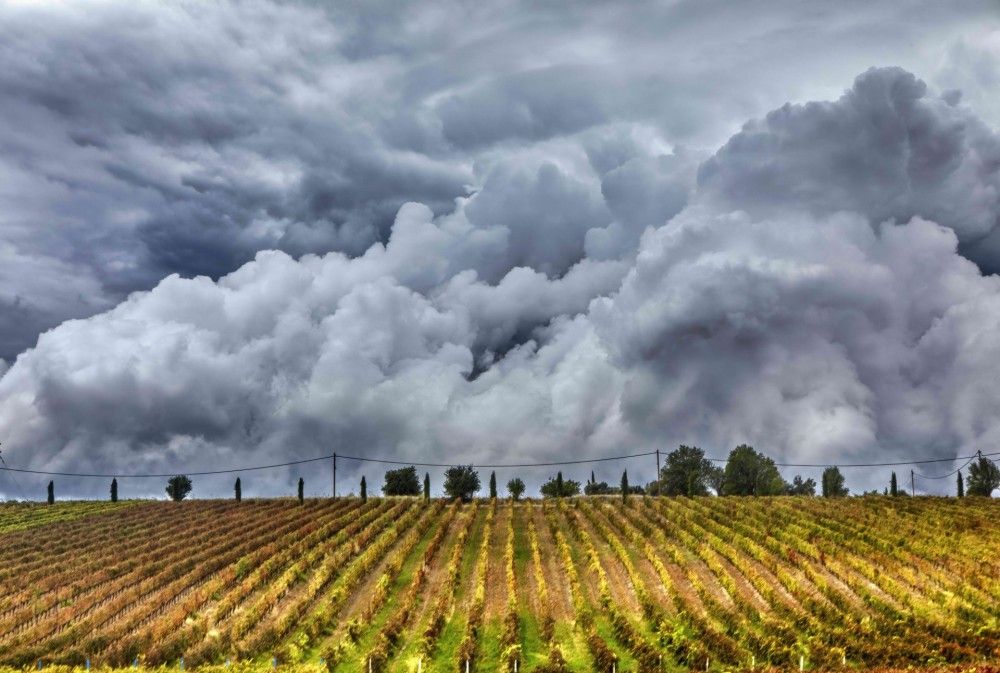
254	232
141	140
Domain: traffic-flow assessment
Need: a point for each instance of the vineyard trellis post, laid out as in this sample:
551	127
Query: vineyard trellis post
335	474
913	486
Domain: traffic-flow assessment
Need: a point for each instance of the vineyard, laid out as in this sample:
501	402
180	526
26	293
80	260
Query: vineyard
405	585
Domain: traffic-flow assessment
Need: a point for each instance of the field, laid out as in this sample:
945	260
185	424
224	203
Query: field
586	584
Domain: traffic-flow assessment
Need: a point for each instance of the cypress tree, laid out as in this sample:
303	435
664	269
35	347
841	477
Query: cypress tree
52	492
493	485
624	485
427	486
893	490
114	490
559	484
238	490
302	490
961	485
592	479
364	490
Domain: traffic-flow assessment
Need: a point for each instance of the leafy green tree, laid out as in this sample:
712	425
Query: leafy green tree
893	487
516	488
687	472
364	489
751	473
560	488
461	482
302	490
598	488
493	485
238	489
833	483
984	477
801	486
114	490
178	487
427	486
403	481
624	486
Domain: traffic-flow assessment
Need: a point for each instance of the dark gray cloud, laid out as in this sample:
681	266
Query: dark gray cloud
144	140
484	232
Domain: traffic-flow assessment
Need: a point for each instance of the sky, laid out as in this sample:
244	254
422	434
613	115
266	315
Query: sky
241	233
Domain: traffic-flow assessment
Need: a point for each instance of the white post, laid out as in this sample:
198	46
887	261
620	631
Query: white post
515	666
706	663
369	665
843	658
753	661
466	666
420	664
802	663
614	666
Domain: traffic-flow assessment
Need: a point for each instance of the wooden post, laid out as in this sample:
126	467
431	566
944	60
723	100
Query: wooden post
913	488
658	476
335	475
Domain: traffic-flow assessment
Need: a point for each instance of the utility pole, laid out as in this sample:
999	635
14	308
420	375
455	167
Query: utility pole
657	472
335	475
913	488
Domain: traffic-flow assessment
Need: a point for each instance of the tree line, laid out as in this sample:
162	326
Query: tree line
686	472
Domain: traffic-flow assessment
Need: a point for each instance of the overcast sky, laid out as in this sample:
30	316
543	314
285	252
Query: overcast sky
241	233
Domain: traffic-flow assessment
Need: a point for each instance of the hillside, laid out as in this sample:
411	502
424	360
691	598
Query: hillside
589	584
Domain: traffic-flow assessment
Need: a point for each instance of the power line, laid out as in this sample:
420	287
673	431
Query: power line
953	472
11	477
370	459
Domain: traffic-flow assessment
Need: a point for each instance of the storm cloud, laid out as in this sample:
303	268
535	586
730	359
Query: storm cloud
249	232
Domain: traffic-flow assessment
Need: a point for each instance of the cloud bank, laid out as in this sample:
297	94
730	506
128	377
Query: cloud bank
243	234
